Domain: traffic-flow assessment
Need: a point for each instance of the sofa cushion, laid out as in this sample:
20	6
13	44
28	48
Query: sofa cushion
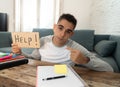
105	47
117	50
5	39
85	38
28	50
99	37
9	49
43	32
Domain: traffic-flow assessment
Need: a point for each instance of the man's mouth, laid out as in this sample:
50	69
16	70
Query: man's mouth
60	38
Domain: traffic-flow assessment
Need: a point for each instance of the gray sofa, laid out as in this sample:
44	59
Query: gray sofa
106	47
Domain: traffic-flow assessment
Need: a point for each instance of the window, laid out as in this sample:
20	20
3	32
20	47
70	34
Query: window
31	14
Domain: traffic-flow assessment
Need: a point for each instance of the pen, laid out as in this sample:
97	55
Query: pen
56	77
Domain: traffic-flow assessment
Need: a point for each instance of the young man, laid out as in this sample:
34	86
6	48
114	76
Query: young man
58	48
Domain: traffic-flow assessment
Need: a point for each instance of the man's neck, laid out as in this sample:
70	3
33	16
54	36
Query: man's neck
56	43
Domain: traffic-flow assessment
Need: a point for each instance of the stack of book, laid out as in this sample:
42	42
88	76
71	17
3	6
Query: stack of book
8	60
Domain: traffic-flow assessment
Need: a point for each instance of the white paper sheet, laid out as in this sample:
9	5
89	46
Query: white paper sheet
71	80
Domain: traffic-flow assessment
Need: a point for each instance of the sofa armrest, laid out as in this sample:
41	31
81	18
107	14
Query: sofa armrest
117	50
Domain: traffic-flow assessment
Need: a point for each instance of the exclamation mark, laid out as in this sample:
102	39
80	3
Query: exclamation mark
36	39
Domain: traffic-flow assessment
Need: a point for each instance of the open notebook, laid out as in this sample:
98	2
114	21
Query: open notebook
71	80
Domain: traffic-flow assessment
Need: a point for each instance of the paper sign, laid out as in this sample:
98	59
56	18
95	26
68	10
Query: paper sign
60	69
26	39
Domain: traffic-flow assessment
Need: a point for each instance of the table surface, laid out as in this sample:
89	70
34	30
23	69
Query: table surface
25	76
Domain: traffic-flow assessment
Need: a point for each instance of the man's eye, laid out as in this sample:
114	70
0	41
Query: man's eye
60	28
69	31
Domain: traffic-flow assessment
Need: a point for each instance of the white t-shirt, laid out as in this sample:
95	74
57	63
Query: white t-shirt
50	52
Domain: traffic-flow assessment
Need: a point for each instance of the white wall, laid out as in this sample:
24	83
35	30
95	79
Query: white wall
6	6
81	9
105	16
101	15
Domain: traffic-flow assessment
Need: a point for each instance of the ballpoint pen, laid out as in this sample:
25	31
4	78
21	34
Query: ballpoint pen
56	77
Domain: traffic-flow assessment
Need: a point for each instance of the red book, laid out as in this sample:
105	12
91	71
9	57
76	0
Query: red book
9	58
6	57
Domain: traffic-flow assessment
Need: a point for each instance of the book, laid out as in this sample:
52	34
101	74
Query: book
12	63
8	60
9	56
69	79
3	54
5	57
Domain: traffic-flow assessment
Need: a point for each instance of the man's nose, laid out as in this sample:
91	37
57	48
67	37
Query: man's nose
63	33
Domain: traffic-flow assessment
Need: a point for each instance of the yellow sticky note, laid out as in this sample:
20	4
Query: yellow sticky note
60	69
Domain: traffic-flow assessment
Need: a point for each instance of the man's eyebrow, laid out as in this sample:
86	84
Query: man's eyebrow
60	25
70	30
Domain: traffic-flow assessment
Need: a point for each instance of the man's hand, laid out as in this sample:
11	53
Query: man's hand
16	49
77	57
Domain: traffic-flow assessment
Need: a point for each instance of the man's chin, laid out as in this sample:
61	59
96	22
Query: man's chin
60	41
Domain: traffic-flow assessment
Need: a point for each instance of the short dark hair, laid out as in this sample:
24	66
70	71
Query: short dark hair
69	18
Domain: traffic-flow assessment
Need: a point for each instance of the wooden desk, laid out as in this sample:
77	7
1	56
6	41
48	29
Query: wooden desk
25	76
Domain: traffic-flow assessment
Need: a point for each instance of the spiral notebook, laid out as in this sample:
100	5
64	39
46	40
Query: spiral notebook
71	79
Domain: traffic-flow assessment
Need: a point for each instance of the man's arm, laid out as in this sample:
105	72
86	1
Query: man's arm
86	58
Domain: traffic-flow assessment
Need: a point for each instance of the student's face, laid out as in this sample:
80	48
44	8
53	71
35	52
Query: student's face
62	32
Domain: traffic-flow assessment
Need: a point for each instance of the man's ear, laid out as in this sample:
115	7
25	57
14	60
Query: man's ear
54	26
72	34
